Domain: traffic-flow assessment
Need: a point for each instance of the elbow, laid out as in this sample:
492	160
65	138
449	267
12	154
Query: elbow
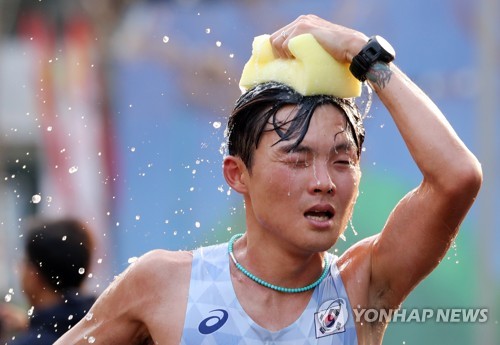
477	176
465	182
472	177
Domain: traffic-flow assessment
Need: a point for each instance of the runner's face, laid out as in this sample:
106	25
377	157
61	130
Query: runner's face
305	196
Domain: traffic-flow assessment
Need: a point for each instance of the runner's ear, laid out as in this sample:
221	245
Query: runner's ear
234	173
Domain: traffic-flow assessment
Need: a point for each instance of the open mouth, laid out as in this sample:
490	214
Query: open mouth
319	215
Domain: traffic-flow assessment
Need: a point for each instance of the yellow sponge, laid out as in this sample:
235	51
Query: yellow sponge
312	72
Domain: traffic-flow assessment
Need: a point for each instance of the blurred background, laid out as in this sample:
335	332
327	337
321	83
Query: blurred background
115	110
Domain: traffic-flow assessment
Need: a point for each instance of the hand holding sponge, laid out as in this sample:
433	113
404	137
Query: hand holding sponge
312	71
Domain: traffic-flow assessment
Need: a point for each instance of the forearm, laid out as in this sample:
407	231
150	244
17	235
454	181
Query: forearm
435	147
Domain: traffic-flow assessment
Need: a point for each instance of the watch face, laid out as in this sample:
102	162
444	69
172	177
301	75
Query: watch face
386	46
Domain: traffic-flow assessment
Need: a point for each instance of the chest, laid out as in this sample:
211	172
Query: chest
221	311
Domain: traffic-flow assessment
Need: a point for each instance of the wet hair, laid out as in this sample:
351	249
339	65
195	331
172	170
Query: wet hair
59	250
258	107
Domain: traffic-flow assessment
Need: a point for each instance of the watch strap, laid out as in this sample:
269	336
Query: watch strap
371	53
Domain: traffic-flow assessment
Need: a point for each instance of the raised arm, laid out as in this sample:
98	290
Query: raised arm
421	228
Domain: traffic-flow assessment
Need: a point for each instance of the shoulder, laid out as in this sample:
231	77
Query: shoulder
157	268
165	259
153	274
355	270
359	254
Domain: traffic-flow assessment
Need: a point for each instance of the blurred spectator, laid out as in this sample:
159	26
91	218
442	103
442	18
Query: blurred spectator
56	261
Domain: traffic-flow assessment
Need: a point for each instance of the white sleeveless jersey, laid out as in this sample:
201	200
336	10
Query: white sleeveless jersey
214	315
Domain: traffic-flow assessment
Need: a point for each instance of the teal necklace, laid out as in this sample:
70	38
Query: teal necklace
269	285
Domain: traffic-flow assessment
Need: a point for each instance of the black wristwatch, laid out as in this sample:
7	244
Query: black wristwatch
377	49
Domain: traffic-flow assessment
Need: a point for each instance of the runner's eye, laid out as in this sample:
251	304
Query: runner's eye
298	160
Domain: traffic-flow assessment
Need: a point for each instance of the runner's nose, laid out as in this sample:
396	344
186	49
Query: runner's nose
322	181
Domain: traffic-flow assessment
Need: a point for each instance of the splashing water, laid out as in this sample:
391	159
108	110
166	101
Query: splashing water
132	260
364	102
352	227
89	316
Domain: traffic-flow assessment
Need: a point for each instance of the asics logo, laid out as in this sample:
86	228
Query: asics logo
214	322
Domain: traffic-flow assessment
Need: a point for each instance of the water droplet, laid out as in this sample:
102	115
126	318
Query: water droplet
352	227
64	238
49	129
30	310
73	169
218	43
99	261
89	316
132	149
217	124
36	198
91	340
166	39
81	270
132	259
8	297
207	30
197	224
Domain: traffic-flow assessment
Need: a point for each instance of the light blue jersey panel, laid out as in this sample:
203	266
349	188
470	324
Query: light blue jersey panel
214	315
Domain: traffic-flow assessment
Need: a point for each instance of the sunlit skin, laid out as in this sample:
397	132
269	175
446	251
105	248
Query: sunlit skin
285	238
